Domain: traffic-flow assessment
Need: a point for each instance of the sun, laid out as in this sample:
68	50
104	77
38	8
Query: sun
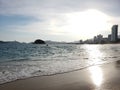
86	24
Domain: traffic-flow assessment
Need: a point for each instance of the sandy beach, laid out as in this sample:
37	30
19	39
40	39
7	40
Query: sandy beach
100	77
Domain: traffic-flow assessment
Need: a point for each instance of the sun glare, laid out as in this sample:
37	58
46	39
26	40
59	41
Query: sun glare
95	55
87	23
96	75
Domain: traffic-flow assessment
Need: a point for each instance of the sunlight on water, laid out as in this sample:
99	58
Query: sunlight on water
94	54
18	61
96	75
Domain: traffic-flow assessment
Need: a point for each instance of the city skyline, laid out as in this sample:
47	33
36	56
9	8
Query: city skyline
112	37
57	20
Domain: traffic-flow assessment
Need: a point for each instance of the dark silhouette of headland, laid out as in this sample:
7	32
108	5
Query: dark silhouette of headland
39	41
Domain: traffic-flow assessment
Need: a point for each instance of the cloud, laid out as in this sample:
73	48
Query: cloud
7	20
40	7
47	26
43	17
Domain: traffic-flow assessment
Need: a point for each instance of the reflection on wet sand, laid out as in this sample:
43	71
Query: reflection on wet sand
96	75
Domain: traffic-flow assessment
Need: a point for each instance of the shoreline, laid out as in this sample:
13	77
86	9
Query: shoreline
83	79
57	73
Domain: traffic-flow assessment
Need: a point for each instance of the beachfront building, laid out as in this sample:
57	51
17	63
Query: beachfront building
114	35
109	37
98	39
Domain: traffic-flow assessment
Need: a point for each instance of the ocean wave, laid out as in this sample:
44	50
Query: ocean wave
24	61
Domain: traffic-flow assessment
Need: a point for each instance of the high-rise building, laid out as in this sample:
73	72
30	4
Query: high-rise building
114	35
98	38
109	37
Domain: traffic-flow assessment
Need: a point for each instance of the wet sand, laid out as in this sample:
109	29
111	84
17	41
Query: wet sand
100	77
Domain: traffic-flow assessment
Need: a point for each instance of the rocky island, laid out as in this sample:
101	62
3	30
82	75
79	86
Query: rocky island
39	41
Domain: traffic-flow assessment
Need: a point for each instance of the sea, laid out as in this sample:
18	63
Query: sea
21	60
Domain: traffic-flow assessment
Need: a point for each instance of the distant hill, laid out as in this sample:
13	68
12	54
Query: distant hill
2	42
15	42
54	42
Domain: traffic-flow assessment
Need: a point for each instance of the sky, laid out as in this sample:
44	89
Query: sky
57	20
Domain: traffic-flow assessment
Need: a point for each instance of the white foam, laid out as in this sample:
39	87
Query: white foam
63	60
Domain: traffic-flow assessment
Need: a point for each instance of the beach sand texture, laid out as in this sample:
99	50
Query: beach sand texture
99	77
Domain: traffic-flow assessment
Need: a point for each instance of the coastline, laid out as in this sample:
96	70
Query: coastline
99	77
